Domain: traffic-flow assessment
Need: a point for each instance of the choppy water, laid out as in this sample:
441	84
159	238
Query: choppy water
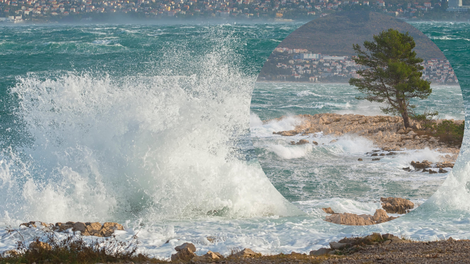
147	125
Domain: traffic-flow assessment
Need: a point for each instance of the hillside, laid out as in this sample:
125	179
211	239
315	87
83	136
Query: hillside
336	33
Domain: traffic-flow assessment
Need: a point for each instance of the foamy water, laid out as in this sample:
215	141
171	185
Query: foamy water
165	152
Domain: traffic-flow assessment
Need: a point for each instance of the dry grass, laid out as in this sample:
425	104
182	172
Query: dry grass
74	249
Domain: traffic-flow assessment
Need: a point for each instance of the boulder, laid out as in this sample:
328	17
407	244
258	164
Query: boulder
60	227
359	159
394	205
421	165
208	257
381	216
328	210
337	245
320	252
108	228
302	142
315	143
36	224
185	252
349	219
247	253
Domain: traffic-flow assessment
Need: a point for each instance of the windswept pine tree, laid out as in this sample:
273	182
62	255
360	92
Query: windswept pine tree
393	73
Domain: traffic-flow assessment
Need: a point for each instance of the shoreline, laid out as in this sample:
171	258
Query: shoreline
373	248
386	132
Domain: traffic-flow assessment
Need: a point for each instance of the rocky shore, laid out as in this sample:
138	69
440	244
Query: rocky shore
85	228
387	132
374	248
391	205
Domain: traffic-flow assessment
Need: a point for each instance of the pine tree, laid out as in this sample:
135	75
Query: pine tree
392	75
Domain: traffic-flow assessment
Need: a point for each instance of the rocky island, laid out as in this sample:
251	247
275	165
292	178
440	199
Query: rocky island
387	132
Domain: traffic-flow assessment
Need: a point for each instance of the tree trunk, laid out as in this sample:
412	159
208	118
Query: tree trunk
406	119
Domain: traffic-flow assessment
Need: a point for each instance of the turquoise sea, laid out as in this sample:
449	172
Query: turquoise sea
149	125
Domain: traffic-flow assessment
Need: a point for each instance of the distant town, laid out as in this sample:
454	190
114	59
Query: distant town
300	65
18	11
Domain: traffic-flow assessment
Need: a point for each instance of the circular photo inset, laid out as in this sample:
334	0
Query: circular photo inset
359	114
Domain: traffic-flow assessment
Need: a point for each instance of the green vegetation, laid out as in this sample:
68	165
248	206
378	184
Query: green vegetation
446	131
393	74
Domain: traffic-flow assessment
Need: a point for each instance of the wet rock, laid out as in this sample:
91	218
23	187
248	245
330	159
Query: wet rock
421	165
380	216
359	159
247	253
407	169
349	219
108	228
36	224
375	159
89	228
442	170
394	205
333	141
432	172
286	133
315	143
184	252
328	210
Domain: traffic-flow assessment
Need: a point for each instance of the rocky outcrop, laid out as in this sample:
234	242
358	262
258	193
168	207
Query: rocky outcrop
346	245
394	205
387	132
246	253
389	205
184	252
300	142
380	216
85	228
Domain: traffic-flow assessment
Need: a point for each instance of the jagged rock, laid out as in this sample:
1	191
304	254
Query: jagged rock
60	227
108	228
375	159
247	253
421	165
380	216
407	169
286	133
320	252
184	252
359	159
349	219
432	172
442	170
302	142
36	224
208	257
38	246
328	210
393	205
